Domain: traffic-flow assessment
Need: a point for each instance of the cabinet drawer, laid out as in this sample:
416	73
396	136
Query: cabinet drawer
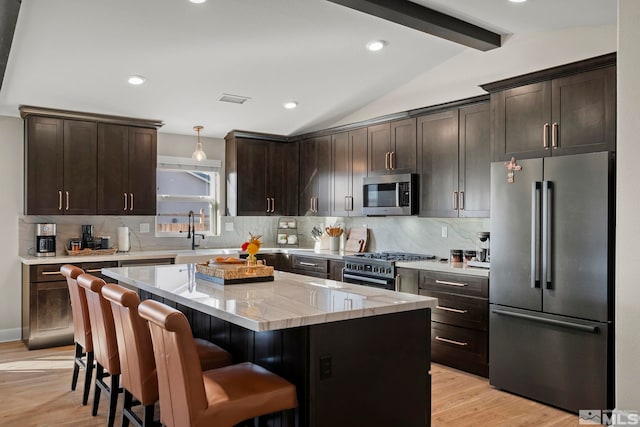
460	348
94	268
318	265
459	310
455	283
45	273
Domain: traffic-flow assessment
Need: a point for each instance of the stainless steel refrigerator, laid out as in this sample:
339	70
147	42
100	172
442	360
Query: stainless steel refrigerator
551	280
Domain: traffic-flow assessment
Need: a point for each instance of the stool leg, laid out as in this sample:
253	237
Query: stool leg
96	394
126	407
76	366
113	399
147	418
87	377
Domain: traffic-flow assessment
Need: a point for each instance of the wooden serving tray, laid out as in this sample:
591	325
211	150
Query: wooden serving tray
230	274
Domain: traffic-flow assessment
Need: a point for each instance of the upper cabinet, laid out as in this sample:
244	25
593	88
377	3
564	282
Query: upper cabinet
392	147
349	166
315	176
454	162
566	110
75	163
261	176
127	170
61	166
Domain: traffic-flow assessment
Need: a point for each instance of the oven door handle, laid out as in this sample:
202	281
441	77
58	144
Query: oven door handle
366	279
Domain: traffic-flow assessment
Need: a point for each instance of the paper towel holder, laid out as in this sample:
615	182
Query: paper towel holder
124	244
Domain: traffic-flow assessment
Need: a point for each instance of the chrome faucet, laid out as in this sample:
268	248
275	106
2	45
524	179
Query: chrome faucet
191	231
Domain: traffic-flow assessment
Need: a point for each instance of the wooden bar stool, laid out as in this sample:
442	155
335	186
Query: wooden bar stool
137	364
83	357
105	345
220	397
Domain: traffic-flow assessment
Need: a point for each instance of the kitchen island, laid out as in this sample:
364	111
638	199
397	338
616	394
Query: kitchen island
357	355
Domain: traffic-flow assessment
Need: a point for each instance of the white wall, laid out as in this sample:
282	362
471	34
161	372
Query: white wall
460	77
11	177
628	204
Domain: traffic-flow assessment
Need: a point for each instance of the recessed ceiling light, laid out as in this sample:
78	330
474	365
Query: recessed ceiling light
290	105
376	45
517	1
197	1
136	80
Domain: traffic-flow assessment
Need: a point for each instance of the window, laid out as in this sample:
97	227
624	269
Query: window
185	185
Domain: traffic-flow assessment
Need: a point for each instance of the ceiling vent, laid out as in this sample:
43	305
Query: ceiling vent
234	99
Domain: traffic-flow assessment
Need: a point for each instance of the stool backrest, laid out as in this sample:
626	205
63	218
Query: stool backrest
137	365
180	384
105	344
79	309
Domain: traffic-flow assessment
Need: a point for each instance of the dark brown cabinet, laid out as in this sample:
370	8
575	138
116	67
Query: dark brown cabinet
566	115
310	266
335	270
47	320
61	166
392	147
408	280
349	166
454	162
459	323
126	170
261	177
315	176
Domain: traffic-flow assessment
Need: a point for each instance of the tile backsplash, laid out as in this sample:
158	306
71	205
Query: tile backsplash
409	234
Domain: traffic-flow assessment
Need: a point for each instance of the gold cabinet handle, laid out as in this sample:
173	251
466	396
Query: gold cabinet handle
273	204
67	206
545	136
387	163
453	310
392	160
93	270
131	204
554	135
59	200
461	200
51	273
125	201
460	343
454	200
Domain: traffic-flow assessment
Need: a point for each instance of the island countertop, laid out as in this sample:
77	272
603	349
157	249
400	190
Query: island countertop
291	300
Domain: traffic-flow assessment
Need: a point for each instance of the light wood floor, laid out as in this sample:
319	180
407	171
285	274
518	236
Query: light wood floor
35	391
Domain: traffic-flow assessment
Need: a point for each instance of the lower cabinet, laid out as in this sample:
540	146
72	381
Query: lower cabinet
310	266
460	322
335	270
47	320
407	280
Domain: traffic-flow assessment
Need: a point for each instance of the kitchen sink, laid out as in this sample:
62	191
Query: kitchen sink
203	255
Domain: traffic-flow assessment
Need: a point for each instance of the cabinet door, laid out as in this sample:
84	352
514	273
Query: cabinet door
522	122
379	140
275	181
80	167
403	146
44	146
142	171
335	270
358	141
308	180
474	161
583	112
438	136
252	170
113	169
408	280
323	162
50	313
342	184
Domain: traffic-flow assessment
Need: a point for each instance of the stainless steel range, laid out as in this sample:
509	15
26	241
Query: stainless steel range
376	269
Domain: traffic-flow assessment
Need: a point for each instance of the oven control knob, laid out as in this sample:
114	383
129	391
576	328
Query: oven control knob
375	269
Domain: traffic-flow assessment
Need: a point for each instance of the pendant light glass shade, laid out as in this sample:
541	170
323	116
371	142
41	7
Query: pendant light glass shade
199	154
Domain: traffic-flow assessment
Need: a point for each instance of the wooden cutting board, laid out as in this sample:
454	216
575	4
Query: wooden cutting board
357	240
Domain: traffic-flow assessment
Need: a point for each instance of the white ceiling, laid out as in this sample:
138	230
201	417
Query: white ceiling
77	55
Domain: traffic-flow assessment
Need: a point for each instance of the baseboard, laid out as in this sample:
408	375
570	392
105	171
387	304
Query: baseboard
7	335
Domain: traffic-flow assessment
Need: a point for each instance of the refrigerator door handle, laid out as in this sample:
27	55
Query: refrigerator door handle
554	322
536	186
547	213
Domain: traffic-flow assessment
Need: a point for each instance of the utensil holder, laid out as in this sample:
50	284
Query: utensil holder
334	243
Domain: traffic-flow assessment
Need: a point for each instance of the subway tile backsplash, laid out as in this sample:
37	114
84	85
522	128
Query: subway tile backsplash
409	234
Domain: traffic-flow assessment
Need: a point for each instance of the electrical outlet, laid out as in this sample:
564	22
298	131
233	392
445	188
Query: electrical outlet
144	227
444	231
228	226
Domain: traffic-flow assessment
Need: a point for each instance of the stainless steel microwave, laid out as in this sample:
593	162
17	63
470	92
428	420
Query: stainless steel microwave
390	194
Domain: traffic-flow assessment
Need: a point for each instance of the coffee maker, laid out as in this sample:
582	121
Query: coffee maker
483	253
45	240
87	237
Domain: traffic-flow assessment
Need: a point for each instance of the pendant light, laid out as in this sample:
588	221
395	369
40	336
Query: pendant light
199	154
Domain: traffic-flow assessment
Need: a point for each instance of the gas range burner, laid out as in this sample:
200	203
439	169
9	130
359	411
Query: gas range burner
394	256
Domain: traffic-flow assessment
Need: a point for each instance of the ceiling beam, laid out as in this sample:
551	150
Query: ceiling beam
8	17
427	20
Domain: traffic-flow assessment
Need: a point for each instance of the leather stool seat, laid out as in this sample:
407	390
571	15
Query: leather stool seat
219	397
137	364
83	341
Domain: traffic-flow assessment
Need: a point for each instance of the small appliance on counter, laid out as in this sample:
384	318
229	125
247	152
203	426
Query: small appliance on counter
87	237
483	254
124	244
45	239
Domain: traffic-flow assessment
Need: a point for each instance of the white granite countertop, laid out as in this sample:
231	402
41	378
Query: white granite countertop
291	300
